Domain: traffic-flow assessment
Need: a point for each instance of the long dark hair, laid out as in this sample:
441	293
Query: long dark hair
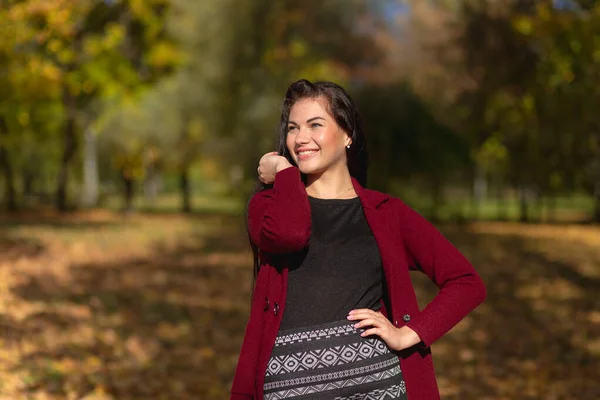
343	110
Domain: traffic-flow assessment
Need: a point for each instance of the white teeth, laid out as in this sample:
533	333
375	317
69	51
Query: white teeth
307	152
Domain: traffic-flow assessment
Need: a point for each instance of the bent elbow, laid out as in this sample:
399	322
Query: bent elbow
289	242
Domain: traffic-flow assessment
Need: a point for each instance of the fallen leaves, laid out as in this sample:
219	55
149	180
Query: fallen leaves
97	307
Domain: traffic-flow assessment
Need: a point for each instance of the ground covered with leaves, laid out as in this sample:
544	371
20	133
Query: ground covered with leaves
101	306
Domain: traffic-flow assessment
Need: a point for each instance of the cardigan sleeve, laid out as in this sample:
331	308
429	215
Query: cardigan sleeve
461	289
279	218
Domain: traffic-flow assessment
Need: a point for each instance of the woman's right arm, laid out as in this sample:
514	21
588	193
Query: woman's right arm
279	218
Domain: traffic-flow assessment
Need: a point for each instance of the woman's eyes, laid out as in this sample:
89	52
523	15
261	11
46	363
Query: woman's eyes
313	126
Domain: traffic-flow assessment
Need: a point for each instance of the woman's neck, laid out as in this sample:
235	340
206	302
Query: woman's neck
328	185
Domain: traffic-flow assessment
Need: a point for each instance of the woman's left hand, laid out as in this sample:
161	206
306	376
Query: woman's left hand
396	338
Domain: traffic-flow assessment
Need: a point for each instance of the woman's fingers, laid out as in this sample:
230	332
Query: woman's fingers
367	322
261	162
367	317
364	313
373	331
267	167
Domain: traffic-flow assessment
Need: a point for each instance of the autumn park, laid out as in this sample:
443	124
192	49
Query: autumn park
130	134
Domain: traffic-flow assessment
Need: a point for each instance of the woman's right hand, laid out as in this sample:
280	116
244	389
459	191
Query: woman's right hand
269	165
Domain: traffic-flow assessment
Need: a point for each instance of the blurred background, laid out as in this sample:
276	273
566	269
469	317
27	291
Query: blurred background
130	133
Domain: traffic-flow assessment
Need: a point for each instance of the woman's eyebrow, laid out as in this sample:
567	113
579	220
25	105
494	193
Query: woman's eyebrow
308	120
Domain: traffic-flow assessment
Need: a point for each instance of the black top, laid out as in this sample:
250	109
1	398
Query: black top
339	271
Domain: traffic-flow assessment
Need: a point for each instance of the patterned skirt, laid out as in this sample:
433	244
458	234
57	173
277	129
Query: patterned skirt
332	361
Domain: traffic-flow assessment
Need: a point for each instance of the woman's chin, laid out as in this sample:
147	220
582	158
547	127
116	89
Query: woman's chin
308	169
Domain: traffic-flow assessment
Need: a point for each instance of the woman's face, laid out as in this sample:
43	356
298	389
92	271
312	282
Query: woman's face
314	139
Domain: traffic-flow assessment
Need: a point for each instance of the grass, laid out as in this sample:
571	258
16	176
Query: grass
154	306
171	203
576	208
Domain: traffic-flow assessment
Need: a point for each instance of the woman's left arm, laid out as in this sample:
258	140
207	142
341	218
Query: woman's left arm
461	287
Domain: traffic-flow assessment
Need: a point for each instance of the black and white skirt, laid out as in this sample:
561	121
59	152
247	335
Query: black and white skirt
332	361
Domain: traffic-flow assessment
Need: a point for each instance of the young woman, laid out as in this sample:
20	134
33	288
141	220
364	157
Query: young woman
334	314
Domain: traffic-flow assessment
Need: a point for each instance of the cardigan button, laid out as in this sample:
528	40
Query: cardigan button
266	304
276	308
406	317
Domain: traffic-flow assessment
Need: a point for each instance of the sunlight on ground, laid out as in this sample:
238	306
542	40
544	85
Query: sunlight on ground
155	307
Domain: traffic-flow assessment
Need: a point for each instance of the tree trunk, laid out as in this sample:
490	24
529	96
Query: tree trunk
501	204
129	189
552	208
69	150
523	205
9	180
151	184
90	170
597	203
479	189
7	171
28	180
184	185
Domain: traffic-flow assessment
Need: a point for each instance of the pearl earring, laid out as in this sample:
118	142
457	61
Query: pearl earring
348	146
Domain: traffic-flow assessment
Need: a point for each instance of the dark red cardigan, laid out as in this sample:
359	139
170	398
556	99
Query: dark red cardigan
279	222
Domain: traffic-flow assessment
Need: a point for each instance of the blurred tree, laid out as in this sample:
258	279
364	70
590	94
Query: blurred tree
565	93
223	102
96	48
28	94
517	76
476	55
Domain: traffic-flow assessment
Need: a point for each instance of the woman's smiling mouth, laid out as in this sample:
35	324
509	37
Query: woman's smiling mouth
303	155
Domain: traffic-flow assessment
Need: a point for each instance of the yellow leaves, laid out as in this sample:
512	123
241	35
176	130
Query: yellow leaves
197	130
492	154
92	46
543	11
207	352
575	45
34	77
17	12
55	45
23	118
142	350
99	393
114	35
324	70
139	8
66	365
164	54
596	55
173	332
523	24
88	86
210	168
57	19
298	48
66	56
528	103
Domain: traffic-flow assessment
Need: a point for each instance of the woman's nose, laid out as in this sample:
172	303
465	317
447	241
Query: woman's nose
303	136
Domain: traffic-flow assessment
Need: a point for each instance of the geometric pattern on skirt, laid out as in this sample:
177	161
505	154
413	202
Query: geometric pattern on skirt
332	361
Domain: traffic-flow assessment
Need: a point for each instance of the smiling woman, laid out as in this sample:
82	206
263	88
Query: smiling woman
334	313
315	141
